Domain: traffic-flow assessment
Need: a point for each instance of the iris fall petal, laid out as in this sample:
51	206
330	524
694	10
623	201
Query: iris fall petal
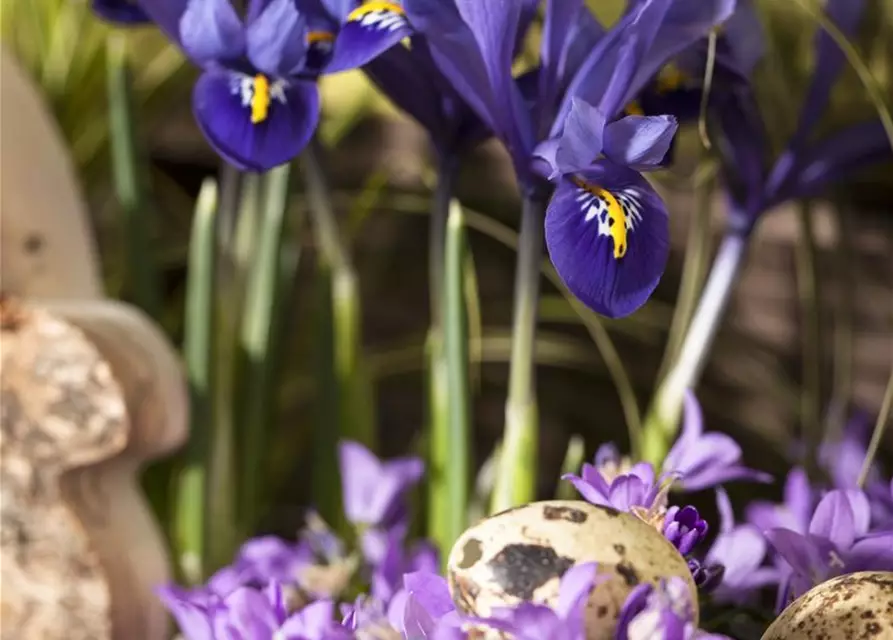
608	237
370	29
225	102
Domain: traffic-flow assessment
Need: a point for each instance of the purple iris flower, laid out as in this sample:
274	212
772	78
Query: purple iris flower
808	164
660	613
530	621
373	489
251	614
836	542
704	460
121	12
606	228
740	550
256	101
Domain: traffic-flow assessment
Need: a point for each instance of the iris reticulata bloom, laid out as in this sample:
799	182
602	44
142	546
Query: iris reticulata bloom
606	228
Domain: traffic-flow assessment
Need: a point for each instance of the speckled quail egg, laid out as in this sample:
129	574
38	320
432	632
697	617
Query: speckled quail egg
855	606
521	554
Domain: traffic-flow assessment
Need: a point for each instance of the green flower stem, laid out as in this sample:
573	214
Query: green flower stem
440	205
450	445
573	460
199	354
883	421
842	382
260	322
662	421
128	173
516	475
810	310
342	392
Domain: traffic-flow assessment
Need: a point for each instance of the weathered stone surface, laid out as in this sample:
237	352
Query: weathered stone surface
61	408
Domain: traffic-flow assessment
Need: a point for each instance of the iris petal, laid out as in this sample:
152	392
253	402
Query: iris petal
580	143
370	29
276	39
223	105
608	236
210	30
640	142
125	12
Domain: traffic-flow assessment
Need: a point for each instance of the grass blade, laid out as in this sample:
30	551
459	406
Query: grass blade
260	323
128	173
199	353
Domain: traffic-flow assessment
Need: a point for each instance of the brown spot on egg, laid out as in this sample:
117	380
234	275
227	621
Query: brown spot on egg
564	513
471	553
620	549
628	572
520	569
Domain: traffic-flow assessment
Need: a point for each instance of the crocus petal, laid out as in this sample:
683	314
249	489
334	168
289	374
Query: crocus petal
589	493
210	30
192	619
580	143
740	550
640	142
874	553
124	12
226	103
834	519
797	550
608	236
692	429
846	15
250	614
371	28
576	583
417	622
310	622
276	39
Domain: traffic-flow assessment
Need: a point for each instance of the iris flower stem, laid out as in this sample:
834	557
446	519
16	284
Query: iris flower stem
883	420
662	421
192	481
453	450
339	342
440	205
694	263
516	475
810	308
127	171
842	380
257	361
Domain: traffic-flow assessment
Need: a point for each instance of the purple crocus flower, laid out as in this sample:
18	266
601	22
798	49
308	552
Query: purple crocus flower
606	228
373	489
660	613
395	560
808	164
637	488
530	621
424	610
836	542
704	460
251	614
740	550
121	12
684	527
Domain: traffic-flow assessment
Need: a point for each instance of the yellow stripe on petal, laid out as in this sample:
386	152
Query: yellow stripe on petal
320	36
372	7
670	78
260	99
610	212
634	109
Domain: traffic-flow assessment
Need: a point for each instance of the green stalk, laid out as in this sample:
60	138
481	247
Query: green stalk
573	460
450	442
842	381
199	355
260	322
516	476
810	309
883	420
662	420
694	262
342	388
128	175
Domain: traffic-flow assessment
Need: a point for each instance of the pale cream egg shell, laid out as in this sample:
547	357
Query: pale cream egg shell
855	606
520	554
